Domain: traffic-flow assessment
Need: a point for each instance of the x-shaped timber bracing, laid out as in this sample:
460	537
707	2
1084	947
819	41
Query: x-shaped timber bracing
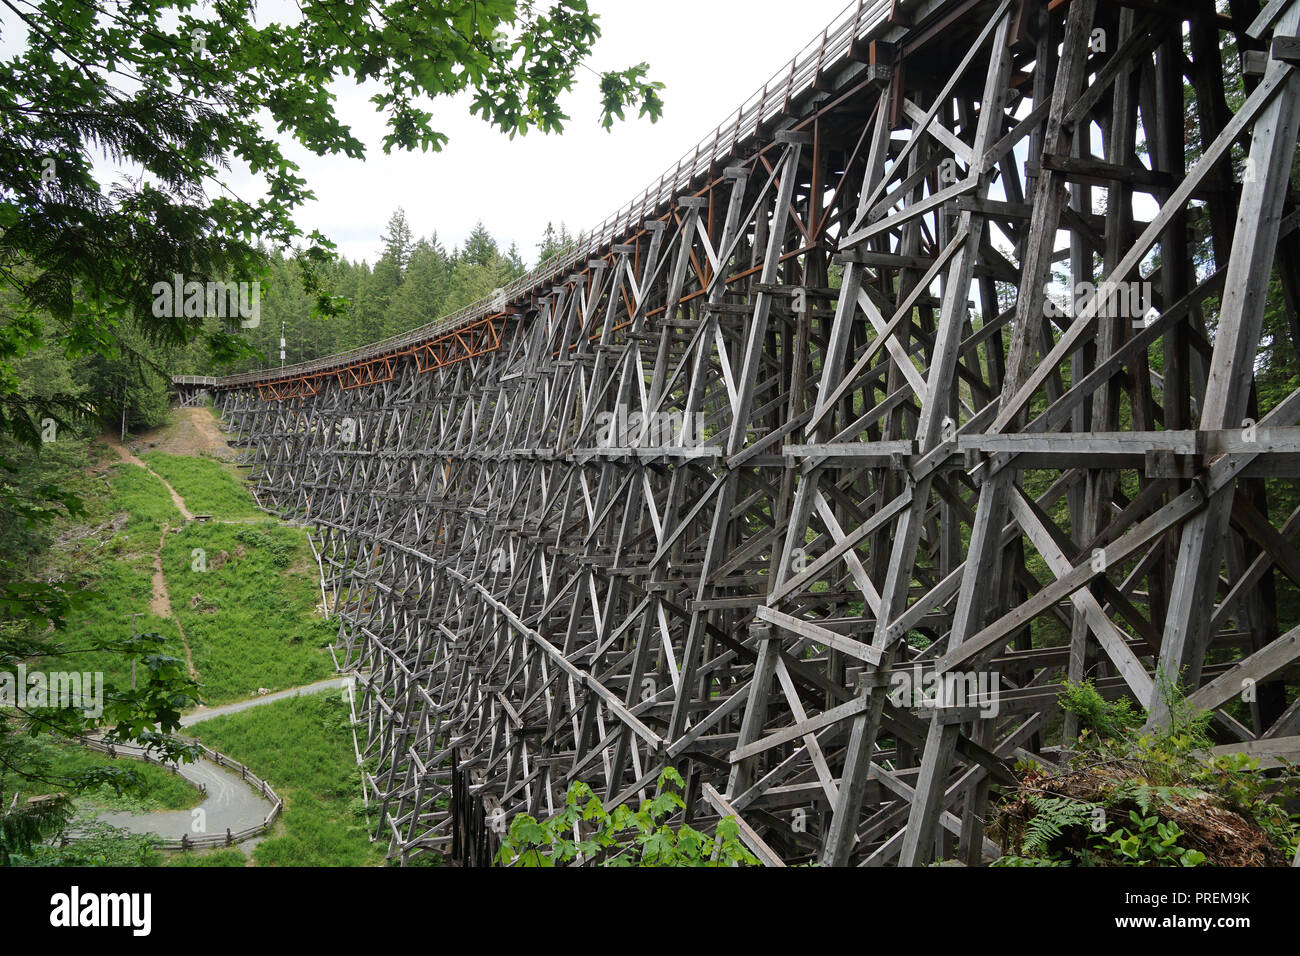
811	415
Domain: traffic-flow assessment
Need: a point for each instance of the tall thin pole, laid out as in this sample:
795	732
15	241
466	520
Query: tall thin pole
134	615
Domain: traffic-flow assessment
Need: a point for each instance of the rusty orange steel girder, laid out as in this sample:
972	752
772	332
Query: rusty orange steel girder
288	388
366	373
468	342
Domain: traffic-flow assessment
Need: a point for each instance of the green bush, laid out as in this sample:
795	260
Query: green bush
621	838
97	844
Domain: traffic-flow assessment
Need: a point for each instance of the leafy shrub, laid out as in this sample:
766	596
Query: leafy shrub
96	844
622	838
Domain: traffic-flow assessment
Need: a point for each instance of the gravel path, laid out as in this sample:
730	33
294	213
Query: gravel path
207	713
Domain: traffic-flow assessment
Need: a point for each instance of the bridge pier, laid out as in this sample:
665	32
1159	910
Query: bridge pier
193	390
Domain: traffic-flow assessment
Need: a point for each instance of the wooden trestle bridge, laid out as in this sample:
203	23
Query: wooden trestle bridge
828	406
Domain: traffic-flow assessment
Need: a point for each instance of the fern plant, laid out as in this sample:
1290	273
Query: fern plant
1052	817
1134	797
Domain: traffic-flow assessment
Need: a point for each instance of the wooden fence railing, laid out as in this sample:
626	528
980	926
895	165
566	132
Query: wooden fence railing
187	842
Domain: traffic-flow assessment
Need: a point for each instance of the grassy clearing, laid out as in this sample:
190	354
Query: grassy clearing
108	555
119	589
206	485
142	496
304	748
159	789
250	617
126	509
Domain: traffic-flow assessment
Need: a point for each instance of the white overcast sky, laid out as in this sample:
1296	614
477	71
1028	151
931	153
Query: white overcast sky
711	54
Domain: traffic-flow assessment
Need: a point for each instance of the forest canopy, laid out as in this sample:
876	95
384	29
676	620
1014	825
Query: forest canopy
415	280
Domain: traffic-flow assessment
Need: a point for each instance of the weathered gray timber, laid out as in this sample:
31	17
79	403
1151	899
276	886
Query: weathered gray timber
193	390
829	410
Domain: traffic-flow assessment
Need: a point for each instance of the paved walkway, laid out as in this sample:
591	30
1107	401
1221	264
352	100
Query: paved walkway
207	713
231	802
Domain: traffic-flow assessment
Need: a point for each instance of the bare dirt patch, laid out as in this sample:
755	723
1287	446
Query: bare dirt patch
192	432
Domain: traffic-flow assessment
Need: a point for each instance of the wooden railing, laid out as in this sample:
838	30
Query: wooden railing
186	842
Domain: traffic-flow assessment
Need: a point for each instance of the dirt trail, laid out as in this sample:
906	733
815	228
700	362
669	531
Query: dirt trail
160	603
127	456
193	433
